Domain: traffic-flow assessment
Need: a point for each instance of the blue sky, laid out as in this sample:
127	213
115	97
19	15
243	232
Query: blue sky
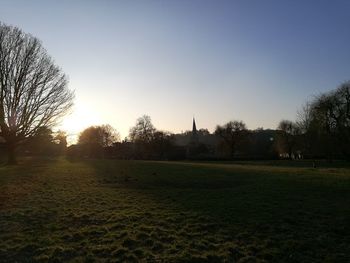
256	61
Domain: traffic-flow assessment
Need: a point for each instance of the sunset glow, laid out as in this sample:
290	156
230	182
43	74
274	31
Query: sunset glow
233	60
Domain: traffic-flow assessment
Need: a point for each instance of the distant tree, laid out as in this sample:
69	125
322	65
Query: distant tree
44	134
143	130
44	142
33	90
289	135
341	116
262	144
95	138
60	139
326	122
310	131
304	118
203	132
103	135
232	133
110	135
142	135
162	143
123	150
41	142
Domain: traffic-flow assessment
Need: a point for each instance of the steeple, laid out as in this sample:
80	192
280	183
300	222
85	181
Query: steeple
194	135
194	128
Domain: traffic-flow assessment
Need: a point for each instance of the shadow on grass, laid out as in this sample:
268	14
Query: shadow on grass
260	212
19	181
130	211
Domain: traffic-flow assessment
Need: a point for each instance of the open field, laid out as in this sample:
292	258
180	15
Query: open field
129	211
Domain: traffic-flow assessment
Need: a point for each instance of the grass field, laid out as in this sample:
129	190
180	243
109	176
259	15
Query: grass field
131	211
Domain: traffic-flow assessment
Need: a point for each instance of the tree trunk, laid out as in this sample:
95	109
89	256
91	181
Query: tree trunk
11	154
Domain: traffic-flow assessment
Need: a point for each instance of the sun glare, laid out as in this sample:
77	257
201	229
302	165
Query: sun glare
80	118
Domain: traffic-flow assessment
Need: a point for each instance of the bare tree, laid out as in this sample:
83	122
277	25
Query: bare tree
232	133
33	90
103	136
60	139
143	131
93	140
329	118
290	132
308	129
304	117
142	135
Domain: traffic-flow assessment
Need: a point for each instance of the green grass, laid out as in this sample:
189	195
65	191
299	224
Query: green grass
131	211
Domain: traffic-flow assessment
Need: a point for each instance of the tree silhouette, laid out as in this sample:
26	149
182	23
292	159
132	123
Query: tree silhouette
93	139
33	90
232	133
41	143
162	144
143	131
61	139
289	135
326	121
142	135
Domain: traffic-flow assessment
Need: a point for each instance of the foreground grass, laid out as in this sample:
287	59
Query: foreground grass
129	211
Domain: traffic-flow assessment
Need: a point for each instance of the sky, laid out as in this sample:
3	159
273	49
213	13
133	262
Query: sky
256	61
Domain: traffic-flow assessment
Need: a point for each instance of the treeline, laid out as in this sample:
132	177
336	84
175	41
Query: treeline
44	143
230	141
321	130
144	142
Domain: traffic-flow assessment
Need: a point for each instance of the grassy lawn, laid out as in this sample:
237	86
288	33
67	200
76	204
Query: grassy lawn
130	211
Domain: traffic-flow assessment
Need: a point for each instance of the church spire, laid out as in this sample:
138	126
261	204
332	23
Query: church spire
194	135
194	128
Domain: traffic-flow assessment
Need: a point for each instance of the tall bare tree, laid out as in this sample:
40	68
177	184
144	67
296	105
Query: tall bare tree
33	90
142	135
143	131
